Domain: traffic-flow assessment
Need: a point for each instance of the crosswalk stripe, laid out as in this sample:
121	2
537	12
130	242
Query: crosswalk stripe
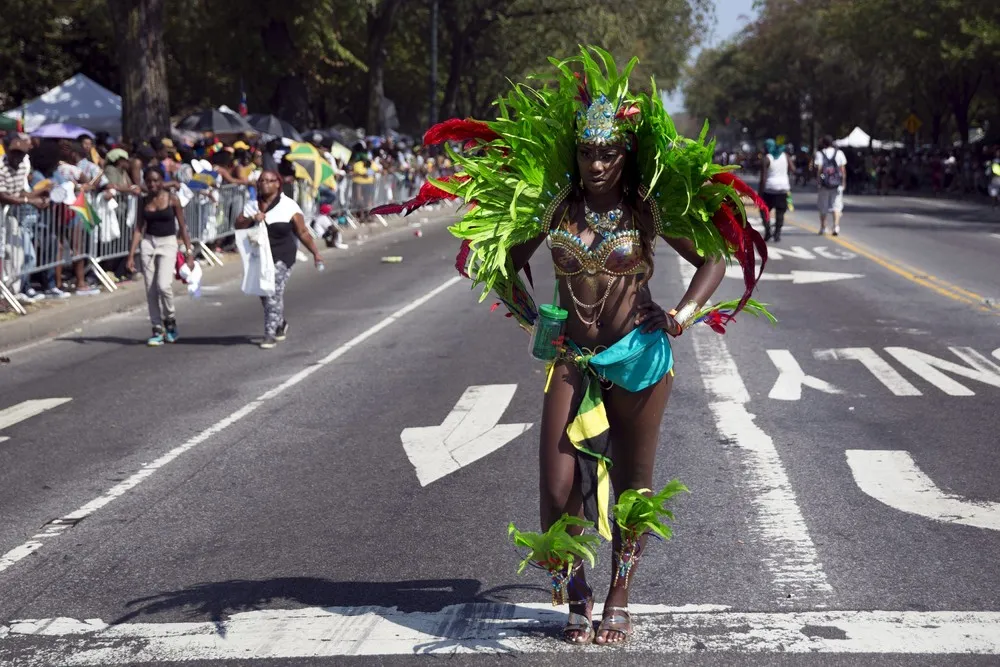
490	628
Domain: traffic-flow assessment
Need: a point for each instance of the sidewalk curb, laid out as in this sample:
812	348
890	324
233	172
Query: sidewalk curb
63	317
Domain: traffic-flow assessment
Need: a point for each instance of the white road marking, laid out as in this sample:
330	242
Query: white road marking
833	253
468	433
59	526
996	236
28	409
891	477
926	366
492	628
875	364
793	562
795	251
797	277
3	438
791	378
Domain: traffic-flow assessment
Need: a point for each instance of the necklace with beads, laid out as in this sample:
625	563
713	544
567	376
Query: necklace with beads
603	223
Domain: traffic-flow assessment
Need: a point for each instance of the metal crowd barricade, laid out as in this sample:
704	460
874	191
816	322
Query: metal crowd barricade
33	240
10	245
232	199
42	239
211	215
112	237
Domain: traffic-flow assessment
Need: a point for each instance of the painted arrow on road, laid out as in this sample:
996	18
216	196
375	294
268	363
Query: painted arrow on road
891	477
797	277
467	434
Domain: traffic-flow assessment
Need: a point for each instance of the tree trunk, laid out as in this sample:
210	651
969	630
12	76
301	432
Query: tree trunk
455	62
138	28
290	101
379	26
961	100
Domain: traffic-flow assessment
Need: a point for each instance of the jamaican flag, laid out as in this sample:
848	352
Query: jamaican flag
589	433
86	212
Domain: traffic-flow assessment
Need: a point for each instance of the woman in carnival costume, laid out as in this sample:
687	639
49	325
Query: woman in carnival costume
600	175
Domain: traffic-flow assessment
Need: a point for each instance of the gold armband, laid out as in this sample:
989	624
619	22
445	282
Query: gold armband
685	314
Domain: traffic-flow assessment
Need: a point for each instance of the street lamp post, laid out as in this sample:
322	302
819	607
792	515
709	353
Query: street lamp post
432	110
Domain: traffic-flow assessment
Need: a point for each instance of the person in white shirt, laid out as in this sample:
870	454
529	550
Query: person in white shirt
774	188
284	223
831	175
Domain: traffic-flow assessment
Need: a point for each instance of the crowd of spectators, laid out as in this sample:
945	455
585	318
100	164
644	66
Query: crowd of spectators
38	174
968	173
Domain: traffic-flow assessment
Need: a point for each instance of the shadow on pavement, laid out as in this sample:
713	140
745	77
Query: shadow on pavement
403	602
214	601
221	341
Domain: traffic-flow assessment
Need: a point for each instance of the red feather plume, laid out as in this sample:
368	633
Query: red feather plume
462	259
583	95
742	188
626	113
746	241
428	194
465	130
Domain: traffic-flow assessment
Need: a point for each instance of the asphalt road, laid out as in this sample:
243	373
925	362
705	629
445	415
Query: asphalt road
211	502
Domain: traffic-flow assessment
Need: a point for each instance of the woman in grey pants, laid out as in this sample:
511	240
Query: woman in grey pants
160	221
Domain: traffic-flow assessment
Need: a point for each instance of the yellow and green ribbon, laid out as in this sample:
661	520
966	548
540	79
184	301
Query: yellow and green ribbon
589	434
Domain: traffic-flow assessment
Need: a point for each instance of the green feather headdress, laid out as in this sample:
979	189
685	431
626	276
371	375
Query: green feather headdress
516	170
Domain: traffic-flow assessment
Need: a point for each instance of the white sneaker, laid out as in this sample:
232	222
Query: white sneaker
87	291
34	294
57	293
340	245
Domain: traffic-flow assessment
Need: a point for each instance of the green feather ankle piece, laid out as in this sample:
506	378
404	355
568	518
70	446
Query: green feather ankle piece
557	551
637	514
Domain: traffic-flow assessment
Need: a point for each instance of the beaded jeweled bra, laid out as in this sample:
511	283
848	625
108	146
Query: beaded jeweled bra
618	254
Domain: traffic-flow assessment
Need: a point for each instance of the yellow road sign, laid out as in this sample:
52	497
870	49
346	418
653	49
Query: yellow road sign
912	124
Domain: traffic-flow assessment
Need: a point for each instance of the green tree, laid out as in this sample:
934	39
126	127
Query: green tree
844	63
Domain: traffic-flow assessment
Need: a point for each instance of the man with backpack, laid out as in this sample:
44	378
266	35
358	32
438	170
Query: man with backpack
831	173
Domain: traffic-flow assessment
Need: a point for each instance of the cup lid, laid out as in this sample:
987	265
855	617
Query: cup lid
552	311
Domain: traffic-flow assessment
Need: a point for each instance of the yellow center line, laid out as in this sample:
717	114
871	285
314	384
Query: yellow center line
922	278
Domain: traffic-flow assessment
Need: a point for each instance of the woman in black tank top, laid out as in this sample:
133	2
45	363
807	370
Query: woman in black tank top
160	221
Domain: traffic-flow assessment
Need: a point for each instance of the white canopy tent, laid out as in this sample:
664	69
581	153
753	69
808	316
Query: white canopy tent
78	101
858	138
